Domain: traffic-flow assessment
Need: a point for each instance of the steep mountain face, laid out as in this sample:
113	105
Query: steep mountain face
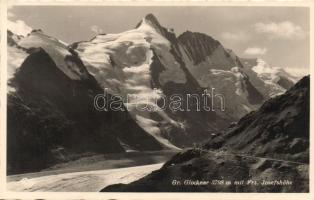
200	47
146	63
51	114
268	149
213	66
279	129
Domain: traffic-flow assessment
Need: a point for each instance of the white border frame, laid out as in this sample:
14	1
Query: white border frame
91	195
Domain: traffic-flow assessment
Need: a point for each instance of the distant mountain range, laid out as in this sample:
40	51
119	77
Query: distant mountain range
52	85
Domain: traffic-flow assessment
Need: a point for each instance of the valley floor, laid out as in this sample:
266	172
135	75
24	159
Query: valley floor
87	181
90	174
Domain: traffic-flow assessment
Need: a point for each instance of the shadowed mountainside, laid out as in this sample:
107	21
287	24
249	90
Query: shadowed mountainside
51	115
269	146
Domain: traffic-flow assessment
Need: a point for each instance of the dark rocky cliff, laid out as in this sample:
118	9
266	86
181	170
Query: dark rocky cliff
51	117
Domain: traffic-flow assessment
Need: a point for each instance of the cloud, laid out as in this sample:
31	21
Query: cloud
96	29
284	30
10	14
239	36
253	51
10	11
297	71
19	27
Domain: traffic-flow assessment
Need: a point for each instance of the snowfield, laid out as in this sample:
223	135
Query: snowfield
87	181
57	50
122	63
15	59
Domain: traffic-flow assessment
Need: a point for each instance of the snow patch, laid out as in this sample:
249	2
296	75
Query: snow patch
122	62
19	27
239	76
57	51
271	75
16	57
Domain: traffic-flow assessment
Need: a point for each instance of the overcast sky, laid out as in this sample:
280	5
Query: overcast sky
280	35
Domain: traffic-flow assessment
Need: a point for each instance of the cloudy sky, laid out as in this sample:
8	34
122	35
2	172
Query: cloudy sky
279	35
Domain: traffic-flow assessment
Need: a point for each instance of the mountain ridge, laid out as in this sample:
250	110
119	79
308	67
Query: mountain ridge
139	62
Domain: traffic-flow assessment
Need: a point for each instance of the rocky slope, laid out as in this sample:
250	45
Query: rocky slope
268	150
204	171
279	129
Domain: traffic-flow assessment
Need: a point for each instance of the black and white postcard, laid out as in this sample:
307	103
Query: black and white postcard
155	98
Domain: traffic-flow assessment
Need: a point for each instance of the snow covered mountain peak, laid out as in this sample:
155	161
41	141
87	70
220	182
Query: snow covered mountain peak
262	68
20	47
151	21
275	79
